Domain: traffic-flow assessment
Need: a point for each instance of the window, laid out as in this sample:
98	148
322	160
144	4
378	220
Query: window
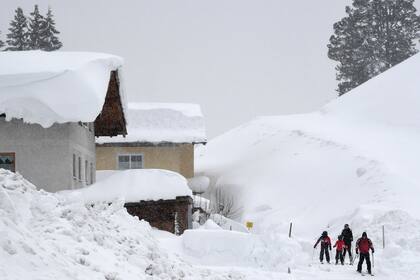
80	169
86	172
8	161
130	162
91	173
74	166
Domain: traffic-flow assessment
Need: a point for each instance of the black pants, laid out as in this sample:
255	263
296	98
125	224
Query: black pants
348	249
324	250
339	256
364	256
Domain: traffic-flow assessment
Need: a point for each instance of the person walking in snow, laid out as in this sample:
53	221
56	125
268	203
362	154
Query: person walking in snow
348	239
363	245
325	245
340	245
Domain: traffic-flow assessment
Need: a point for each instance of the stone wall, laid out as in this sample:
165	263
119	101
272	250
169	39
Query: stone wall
161	214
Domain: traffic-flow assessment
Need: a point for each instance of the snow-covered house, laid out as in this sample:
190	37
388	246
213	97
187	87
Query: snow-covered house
52	105
160	135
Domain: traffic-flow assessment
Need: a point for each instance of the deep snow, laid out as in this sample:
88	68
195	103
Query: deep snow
355	161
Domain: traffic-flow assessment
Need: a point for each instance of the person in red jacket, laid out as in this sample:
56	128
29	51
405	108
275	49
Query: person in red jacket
363	245
325	245
340	245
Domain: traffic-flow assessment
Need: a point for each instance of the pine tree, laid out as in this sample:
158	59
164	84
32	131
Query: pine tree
374	36
50	42
1	42
36	29
17	39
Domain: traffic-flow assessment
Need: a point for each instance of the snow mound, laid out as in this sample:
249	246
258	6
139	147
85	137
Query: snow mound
232	248
42	236
162	122
133	186
45	87
199	184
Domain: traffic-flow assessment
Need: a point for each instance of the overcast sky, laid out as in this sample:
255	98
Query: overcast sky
237	58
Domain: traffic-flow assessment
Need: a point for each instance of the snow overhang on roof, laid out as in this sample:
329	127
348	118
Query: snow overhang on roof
161	123
59	87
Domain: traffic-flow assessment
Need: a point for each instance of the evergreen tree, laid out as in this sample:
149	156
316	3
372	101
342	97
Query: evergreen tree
50	42
17	39
374	36
36	30
1	42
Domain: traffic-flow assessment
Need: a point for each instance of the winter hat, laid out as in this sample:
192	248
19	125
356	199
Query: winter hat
324	233
346	225
364	234
340	237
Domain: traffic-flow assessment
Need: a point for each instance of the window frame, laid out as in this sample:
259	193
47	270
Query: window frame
79	168
129	161
13	155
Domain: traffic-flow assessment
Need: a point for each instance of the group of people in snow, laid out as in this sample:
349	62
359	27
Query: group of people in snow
343	246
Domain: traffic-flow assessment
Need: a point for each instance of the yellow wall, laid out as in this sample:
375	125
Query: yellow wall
178	158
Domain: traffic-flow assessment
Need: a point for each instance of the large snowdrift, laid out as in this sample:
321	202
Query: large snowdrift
133	186
162	122
46	87
355	161
43	236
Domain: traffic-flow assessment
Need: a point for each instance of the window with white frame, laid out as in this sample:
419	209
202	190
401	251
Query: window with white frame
130	162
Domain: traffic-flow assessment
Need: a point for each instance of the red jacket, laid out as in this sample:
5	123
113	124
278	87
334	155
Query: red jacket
363	245
340	245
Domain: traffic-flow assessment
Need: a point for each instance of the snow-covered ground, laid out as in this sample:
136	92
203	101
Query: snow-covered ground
355	161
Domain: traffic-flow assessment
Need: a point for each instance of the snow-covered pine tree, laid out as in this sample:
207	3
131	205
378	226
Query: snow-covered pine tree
374	36
36	29
17	38
50	42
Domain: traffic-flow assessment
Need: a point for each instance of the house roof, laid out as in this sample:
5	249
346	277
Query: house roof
162	123
150	185
58	87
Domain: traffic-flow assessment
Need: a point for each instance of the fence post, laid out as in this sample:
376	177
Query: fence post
383	236
290	230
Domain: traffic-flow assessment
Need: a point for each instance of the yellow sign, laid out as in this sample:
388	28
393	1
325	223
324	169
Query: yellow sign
249	225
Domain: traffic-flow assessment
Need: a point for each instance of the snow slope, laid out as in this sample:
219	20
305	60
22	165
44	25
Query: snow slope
46	87
355	161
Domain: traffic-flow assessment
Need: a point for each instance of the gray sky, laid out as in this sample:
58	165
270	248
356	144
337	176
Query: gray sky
237	58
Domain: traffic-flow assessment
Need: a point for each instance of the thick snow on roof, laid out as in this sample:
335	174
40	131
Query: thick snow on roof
162	122
48	87
133	186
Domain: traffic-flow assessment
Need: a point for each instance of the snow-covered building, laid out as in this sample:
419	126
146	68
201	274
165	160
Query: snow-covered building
160	135
52	105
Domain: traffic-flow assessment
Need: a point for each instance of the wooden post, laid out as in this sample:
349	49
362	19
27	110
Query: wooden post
383	236
288	270
290	230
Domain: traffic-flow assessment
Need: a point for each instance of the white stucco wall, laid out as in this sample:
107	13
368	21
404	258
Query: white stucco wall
45	156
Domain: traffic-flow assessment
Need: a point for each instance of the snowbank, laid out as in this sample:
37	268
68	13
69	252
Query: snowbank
46	87
43	236
162	122
231	248
133	186
199	184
